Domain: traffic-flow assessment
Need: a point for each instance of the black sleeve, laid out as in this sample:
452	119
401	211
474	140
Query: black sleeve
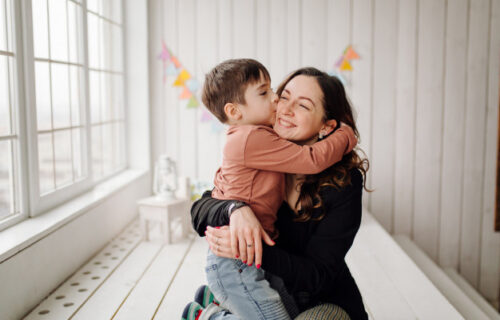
208	211
314	271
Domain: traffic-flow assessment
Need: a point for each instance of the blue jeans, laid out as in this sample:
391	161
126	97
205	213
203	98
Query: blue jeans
245	291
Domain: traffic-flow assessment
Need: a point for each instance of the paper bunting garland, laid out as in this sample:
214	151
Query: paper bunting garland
186	94
205	115
193	102
343	63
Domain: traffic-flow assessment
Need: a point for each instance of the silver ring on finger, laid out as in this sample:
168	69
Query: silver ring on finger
249	245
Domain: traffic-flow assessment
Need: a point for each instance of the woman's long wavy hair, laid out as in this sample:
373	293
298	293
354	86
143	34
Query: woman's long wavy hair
336	106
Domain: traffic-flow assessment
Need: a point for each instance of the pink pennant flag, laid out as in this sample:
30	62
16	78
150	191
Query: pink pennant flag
186	94
205	115
351	54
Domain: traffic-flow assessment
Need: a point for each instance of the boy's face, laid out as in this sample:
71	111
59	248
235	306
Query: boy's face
260	107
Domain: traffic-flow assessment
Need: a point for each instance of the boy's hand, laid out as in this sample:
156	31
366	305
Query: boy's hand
353	141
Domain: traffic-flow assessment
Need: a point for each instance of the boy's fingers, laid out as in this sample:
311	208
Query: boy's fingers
258	249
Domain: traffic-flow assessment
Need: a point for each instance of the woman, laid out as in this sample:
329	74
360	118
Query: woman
322	213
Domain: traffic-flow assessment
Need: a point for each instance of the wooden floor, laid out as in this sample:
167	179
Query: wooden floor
134	279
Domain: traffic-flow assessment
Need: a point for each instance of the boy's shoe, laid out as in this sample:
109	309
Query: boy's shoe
192	311
204	296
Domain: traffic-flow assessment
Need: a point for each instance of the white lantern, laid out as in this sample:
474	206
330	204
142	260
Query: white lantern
165	178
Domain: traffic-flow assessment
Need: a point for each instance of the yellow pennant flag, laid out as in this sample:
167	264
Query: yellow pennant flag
345	65
183	76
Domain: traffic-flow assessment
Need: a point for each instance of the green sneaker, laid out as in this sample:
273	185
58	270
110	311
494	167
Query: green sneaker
204	296
192	311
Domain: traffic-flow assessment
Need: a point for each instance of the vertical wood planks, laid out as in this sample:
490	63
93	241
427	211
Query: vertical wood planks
293	37
361	79
384	75
313	33
453	132
277	46
206	59
475	112
263	30
405	116
490	241
244	29
429	124
188	116
170	102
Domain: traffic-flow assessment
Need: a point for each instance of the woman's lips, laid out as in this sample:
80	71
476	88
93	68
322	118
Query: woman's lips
286	124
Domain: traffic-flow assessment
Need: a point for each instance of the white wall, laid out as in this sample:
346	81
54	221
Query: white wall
425	90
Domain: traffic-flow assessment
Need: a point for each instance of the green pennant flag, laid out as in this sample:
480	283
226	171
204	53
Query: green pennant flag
193	102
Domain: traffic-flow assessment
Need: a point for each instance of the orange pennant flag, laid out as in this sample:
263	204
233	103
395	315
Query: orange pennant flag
186	94
175	61
351	54
345	65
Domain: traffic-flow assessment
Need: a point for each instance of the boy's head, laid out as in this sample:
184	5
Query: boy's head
238	91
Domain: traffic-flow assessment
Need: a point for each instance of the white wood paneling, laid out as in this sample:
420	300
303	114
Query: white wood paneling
425	93
477	58
428	124
405	116
384	108
361	79
453	132
490	241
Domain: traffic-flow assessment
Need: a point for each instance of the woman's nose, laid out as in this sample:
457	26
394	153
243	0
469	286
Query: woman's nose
285	107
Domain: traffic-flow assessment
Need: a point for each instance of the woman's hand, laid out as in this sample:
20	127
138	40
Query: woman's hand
246	236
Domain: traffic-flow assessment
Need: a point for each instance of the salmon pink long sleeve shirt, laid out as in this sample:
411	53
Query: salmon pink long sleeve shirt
255	160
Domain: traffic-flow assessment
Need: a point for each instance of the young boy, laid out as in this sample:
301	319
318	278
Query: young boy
255	160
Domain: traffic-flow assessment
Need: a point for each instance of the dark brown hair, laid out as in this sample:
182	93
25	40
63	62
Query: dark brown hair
336	106
227	82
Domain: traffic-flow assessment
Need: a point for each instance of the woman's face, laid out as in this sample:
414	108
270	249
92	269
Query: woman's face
300	111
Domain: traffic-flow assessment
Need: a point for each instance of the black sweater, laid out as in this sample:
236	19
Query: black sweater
308	256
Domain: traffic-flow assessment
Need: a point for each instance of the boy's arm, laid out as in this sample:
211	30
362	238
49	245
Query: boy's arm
265	150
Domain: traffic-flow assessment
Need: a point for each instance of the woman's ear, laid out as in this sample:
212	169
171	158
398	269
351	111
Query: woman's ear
232	112
327	127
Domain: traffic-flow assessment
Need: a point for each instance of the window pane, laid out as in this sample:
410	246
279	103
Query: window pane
3	25
107	148
95	98
4	96
74	23
40	28
63	152
58	30
116	11
119	135
94	5
76	137
45	163
93	40
6	178
118	105
97	151
43	108
75	95
105	96
117	59
60	95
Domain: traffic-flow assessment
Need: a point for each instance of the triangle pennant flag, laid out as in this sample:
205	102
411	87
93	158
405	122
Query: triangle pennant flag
164	54
171	70
181	79
334	73
193	85
345	65
351	54
339	62
205	115
175	61
193	102
186	94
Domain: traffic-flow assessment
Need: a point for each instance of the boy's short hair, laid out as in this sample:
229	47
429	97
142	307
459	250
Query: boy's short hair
227	82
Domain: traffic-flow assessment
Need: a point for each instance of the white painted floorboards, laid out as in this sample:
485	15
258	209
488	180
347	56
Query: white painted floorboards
133	279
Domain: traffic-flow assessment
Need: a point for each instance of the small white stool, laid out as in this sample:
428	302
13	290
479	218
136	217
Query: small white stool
154	209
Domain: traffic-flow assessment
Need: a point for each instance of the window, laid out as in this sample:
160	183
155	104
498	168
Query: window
73	88
9	139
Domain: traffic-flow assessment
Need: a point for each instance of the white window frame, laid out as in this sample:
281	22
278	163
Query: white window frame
31	202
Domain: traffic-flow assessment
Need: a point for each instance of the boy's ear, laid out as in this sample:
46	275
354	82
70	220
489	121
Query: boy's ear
232	111
328	127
